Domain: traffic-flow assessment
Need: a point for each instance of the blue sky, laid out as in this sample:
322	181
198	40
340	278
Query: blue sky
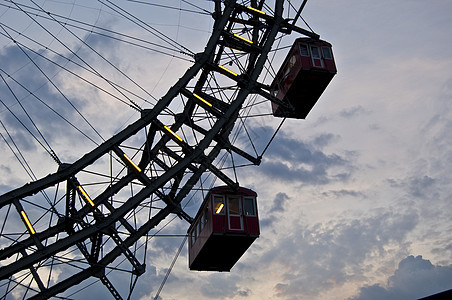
354	201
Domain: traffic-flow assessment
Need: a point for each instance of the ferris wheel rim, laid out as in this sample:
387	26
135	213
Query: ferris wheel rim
68	171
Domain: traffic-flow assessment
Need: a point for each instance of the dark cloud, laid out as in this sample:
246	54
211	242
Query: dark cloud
223	285
447	247
267	222
324	255
292	149
279	202
30	87
93	52
14	63
100	48
278	206
161	246
421	186
321	256
312	173
353	111
292	160
5	169
415	278
394	183
324	140
4	188
51	108
19	137
344	193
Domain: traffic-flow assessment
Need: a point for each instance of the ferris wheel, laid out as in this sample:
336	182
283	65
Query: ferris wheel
97	215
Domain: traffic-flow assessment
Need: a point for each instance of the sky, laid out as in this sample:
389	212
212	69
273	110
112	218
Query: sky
354	201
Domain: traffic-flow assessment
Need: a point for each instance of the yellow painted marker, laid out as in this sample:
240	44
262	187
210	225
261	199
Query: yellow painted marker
242	38
132	163
27	221
202	100
85	195
173	133
256	10
227	70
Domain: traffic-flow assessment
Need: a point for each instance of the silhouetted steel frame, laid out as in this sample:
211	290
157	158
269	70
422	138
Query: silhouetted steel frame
219	132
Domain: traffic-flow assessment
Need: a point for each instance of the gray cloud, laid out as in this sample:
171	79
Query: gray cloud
415	278
292	160
160	246
323	140
278	207
421	186
353	111
29	79
330	254
321	256
279	202
223	285
345	193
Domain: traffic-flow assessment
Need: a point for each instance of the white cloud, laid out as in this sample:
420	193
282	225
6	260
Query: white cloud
344	195
321	256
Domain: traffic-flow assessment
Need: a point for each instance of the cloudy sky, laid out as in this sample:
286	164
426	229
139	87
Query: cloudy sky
354	201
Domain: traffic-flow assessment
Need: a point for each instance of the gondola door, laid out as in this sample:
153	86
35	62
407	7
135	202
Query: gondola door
235	219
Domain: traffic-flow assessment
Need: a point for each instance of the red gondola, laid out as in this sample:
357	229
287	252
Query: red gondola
304	75
223	229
